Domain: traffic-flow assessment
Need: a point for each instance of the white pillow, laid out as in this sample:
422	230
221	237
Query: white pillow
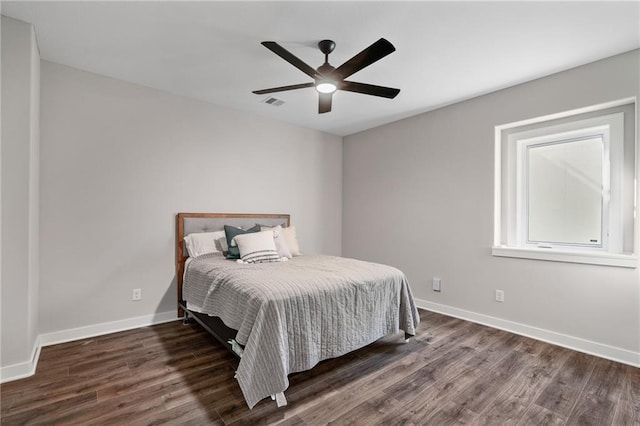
257	247
289	235
200	243
221	244
281	244
290	239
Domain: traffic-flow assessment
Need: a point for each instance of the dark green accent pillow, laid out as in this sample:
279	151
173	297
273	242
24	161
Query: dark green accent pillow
230	232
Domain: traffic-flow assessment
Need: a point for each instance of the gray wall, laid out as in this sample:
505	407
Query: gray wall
120	160
20	156
418	194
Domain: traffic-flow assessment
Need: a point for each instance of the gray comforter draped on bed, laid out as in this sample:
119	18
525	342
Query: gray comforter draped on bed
291	315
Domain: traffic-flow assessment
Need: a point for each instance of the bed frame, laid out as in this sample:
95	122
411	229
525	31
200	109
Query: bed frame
187	223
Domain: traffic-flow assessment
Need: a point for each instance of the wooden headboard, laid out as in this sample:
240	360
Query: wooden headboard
187	223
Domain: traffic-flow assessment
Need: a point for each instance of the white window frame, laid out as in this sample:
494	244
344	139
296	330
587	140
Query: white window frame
514	243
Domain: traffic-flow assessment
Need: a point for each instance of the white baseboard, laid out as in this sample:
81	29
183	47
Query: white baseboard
581	345
22	369
26	369
72	334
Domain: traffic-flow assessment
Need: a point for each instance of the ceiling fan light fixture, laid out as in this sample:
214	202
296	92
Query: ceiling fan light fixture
326	87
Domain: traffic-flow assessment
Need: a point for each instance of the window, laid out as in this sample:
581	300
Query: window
565	187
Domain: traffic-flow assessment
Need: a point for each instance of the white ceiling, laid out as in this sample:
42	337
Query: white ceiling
446	51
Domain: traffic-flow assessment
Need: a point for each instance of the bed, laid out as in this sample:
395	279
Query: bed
284	317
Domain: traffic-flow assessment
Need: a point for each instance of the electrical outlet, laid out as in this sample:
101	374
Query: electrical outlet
137	294
436	284
499	296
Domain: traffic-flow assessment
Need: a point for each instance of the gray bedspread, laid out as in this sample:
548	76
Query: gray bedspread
292	315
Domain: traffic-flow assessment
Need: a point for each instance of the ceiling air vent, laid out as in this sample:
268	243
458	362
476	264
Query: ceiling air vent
273	101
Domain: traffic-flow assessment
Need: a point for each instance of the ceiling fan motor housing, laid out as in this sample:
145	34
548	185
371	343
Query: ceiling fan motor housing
326	69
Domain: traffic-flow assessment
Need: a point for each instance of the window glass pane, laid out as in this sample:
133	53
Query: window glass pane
565	192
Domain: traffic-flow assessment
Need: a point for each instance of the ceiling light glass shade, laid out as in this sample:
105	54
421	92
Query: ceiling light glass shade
326	87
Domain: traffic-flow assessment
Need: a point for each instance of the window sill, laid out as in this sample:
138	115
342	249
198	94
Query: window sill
556	255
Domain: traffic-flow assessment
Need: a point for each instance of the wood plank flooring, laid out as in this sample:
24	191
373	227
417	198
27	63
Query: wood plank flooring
452	372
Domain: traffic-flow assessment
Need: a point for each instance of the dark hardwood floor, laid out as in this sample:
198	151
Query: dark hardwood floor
463	373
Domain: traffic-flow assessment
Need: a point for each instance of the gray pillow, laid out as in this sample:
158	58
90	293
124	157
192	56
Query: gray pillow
230	233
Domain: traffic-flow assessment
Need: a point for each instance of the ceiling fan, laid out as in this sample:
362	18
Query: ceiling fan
328	79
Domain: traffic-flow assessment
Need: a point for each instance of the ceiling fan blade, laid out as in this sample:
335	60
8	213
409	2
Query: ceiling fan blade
325	102
368	56
291	58
283	88
369	89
